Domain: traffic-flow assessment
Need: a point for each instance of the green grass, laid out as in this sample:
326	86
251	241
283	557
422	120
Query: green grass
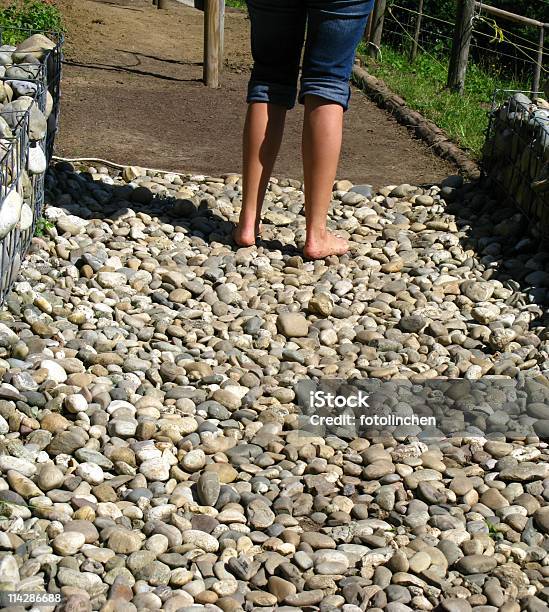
29	15
422	84
494	531
42	227
240	4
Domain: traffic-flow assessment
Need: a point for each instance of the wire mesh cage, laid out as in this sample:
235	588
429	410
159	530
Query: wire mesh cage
516	153
36	195
13	151
22	183
47	72
13	160
33	191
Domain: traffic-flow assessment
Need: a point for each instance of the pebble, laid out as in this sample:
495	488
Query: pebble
201	540
49	477
292	324
69	543
54	371
208	488
155	469
476	564
330	562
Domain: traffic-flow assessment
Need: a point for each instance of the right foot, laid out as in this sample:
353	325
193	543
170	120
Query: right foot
329	245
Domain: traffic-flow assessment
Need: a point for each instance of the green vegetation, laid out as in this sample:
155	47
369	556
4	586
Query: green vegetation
5	510
28	15
494	531
240	4
422	84
42	227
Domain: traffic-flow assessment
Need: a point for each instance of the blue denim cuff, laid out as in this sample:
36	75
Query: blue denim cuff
282	95
329	89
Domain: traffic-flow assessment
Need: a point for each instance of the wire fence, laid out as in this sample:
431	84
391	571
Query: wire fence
498	46
30	128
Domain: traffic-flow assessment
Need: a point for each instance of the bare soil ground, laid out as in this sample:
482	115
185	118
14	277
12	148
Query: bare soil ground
132	93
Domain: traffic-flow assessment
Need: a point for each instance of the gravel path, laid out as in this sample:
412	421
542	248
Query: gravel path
150	451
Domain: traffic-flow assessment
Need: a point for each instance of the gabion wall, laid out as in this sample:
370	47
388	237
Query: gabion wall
516	154
30	75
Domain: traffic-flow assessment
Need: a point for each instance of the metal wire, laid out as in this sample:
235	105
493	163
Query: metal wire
473	45
412	38
12	166
479	33
14	162
520	48
423	15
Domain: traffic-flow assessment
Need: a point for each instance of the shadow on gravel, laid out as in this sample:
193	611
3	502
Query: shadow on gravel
203	221
493	232
506	243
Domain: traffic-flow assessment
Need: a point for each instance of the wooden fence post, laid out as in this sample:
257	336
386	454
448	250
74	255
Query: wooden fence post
413	52
376	33
221	35
368	31
537	73
214	13
460	47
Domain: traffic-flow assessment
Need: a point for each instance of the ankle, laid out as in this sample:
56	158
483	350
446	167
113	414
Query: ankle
247	221
316	235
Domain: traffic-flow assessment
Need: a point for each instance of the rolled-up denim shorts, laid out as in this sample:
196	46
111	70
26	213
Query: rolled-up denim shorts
330	30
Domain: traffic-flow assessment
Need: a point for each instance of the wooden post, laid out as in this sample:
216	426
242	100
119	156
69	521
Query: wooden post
162	4
368	31
214	12
376	33
221	35
460	47
413	52
537	73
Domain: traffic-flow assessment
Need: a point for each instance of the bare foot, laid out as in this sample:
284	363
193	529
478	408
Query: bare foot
330	245
245	238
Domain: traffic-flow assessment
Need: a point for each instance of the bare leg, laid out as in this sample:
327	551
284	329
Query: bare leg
321	145
263	132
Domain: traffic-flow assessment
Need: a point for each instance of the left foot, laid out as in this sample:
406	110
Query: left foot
244	237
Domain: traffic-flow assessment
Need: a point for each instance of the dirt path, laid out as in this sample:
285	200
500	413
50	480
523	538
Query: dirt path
132	93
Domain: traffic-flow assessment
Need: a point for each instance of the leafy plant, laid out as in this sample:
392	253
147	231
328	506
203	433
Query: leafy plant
494	531
29	15
42	227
